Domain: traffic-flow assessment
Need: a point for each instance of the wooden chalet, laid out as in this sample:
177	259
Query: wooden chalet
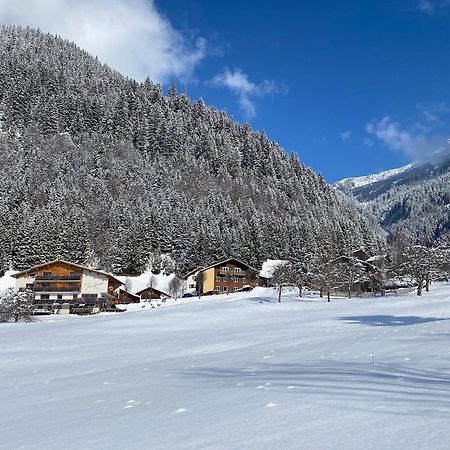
224	277
63	287
150	293
125	297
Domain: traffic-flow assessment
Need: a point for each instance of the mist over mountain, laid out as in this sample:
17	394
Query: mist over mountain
414	199
99	169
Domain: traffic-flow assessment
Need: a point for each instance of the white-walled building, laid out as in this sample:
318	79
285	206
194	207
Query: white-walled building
64	282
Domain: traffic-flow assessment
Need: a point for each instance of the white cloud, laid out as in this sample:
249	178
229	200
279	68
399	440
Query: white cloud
418	146
131	36
238	82
431	6
426	6
346	135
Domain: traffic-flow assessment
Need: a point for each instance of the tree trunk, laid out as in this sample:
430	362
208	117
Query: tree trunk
279	294
300	291
328	296
321	292
427	282
420	286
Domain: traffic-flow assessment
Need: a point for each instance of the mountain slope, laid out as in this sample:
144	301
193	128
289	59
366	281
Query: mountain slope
414	199
101	169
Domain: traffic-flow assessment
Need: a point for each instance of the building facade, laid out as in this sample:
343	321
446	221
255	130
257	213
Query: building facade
62	282
223	277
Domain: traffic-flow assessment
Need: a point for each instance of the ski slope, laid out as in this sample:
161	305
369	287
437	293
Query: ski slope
233	372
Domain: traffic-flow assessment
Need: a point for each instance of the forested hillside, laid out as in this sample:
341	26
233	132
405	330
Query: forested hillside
413	200
99	169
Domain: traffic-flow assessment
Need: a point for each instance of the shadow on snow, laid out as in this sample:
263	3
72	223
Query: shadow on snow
381	388
389	321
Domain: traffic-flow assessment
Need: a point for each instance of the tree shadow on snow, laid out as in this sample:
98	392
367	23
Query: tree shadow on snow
389	321
381	388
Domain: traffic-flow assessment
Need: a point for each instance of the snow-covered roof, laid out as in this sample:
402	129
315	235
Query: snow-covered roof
60	261
141	282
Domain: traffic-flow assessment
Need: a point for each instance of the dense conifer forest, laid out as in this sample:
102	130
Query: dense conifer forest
97	168
415	202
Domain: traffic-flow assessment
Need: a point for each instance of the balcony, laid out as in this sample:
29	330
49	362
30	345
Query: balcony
75	277
55	289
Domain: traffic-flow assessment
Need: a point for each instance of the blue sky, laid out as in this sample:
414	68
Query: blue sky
336	71
353	86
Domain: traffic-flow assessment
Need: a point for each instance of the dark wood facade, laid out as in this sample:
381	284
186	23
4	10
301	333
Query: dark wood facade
150	294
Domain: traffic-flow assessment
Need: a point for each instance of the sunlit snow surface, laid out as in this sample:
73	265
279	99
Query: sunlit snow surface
356	182
233	372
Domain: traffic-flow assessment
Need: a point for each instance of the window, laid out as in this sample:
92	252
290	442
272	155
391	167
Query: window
192	286
59	297
237	269
75	296
224	288
45	297
225	269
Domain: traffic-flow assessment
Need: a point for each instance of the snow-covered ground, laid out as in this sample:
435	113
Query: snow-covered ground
233	372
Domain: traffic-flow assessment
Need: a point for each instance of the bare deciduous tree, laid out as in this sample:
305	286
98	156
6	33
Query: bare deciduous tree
174	287
282	277
199	280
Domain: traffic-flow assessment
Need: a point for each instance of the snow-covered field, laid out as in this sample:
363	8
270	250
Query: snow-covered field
235	372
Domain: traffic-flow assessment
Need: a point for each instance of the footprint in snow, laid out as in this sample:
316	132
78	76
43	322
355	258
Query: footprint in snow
270	405
291	387
131	404
180	410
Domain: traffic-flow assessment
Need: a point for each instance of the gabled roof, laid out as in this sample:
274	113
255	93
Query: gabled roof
361	262
129	293
150	288
60	261
220	263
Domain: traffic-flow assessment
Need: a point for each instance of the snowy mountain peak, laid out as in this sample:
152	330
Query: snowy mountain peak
356	182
